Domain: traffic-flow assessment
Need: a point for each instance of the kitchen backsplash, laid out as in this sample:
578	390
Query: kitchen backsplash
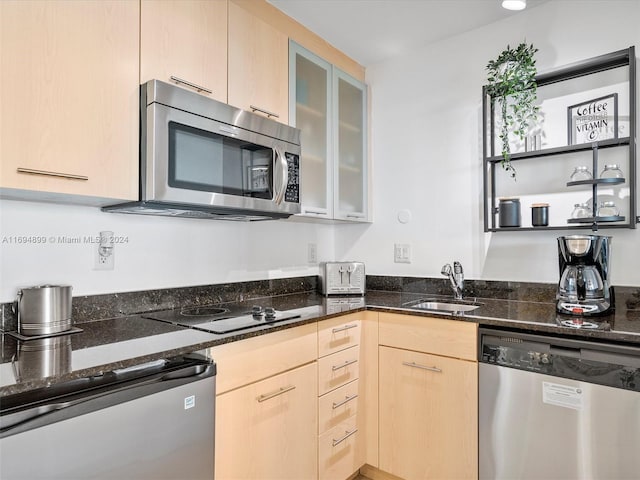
98	307
112	305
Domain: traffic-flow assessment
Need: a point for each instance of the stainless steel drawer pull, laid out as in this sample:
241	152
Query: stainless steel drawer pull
197	88
52	174
312	212
423	367
262	110
346	327
280	391
347	434
346	399
345	364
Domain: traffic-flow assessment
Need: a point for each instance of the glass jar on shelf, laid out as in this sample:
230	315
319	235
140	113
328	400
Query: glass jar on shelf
611	171
581	173
581	210
608	209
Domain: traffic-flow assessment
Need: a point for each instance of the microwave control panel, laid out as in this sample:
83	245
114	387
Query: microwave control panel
292	193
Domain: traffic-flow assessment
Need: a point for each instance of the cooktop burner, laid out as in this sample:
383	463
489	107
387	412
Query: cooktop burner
205	311
221	320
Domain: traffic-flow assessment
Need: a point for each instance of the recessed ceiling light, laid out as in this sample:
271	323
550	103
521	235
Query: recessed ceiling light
514	4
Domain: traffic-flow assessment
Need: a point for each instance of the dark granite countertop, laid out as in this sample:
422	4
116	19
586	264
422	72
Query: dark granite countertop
109	344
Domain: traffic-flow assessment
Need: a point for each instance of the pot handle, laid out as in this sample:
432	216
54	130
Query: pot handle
15	306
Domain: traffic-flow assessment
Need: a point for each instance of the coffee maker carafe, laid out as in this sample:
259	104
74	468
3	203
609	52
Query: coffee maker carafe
584	275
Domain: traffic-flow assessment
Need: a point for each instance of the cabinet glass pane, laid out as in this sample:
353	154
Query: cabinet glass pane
311	119
350	147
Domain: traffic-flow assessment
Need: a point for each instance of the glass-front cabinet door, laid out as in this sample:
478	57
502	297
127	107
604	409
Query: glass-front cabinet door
309	110
350	142
329	107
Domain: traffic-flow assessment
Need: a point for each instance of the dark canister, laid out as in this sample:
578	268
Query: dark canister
509	212
540	214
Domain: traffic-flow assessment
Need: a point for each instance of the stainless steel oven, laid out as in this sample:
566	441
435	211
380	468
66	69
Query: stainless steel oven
200	157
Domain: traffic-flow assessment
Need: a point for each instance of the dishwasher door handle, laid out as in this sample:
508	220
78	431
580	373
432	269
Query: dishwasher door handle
99	397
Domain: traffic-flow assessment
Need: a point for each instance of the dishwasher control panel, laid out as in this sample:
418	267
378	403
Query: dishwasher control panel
594	362
519	357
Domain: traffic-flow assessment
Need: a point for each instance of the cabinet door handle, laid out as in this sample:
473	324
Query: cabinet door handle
280	391
197	88
346	399
423	367
346	327
345	364
70	176
262	110
347	434
312	212
351	215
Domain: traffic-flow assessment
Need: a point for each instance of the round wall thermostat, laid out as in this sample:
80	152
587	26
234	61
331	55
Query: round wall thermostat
404	216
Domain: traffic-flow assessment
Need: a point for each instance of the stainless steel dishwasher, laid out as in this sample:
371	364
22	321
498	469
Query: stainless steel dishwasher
557	408
151	421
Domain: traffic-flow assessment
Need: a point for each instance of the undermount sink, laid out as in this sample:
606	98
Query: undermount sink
442	306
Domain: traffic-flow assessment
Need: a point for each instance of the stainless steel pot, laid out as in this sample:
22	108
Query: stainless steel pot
44	310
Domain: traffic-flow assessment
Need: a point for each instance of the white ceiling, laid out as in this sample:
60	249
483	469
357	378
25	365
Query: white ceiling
370	31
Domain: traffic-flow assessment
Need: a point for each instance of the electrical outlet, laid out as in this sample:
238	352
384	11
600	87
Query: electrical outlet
105	253
402	253
312	253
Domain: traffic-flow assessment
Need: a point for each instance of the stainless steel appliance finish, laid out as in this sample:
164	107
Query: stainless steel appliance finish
557	408
154	421
584	287
342	278
44	310
202	158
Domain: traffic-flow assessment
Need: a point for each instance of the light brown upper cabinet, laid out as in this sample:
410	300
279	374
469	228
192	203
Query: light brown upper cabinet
258	65
69	74
185	42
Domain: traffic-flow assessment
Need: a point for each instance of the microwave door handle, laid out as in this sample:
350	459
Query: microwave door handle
282	173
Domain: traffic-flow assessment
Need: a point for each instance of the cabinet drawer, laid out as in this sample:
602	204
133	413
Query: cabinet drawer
338	334
337	406
338	451
246	361
451	338
338	369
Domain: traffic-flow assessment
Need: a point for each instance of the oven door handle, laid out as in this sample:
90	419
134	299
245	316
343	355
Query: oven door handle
281	175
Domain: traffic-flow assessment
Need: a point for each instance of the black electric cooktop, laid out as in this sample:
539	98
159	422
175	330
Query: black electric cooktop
220	320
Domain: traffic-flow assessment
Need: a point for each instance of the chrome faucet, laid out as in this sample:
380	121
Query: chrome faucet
456	277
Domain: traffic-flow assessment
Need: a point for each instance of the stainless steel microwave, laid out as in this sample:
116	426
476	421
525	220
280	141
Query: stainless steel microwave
203	158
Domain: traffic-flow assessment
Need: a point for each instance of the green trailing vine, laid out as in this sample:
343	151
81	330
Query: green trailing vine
512	86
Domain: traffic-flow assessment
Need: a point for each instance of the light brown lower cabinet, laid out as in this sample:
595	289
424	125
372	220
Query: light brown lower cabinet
427	415
268	429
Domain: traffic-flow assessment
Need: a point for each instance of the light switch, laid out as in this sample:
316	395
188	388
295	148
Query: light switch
402	253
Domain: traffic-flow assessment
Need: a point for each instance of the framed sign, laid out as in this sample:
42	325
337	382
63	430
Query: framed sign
593	120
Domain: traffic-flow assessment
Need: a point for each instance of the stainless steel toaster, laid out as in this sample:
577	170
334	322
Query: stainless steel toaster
342	278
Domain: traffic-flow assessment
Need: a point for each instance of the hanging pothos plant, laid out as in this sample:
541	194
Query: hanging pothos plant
512	86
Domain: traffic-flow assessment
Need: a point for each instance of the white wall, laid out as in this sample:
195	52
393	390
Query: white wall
427	148
158	252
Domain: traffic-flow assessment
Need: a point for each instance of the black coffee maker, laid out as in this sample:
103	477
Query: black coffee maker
584	275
